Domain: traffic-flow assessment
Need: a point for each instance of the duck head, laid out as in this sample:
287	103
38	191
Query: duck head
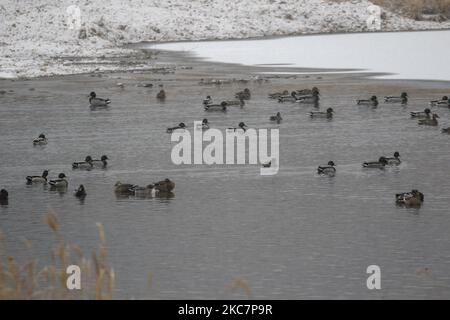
81	188
42	136
330	110
62	176
278	114
92	94
246	90
88	159
205	121
242	125
4	194
444	98
331	163
427	111
396	154
104	158
315	90
374	98
182	125
45	174
404	95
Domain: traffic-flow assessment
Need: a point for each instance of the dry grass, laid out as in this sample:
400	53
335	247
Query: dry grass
28	282
416	8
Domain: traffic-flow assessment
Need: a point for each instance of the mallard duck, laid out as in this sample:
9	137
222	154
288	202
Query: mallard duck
429	122
212	107
41	140
61	182
395	160
241	125
98	102
161	95
410	199
277	95
403	99
327	114
239	102
80	192
38	179
243	95
165	185
288	98
3	196
373	101
180	126
328	169
312	91
276	118
444	102
102	161
426	114
86	164
124	188
309	98
381	163
207	101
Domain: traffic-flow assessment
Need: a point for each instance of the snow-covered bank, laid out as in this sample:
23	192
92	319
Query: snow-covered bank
37	38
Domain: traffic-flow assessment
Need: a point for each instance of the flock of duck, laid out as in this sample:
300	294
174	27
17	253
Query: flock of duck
160	188
304	96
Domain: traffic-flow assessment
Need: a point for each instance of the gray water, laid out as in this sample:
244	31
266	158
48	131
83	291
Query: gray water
294	235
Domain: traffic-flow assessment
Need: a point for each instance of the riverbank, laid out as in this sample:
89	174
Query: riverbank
37	39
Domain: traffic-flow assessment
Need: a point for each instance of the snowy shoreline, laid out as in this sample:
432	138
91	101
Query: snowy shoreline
37	38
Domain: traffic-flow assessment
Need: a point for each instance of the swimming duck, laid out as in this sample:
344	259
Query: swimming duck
41	140
426	114
395	160
267	164
446	130
410	199
102	161
403	99
444	102
61	182
373	101
276	118
98	102
312	91
381	163
277	95
243	95
161	95
165	185
239	102
241	125
288	98
180	126
207	101
309	98
124	188
430	122
4	197
205	124
80	192
221	107
86	164
328	114
328	169
38	179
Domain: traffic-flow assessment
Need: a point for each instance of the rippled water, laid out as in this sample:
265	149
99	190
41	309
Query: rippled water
290	236
407	55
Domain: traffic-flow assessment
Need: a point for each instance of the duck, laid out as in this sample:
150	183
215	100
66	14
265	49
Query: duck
241	125
4	196
276	118
288	98
373	101
38	179
426	114
205	124
267	164
86	164
165	185
395	160
403	99
277	95
98	102
102	161
327	114
328	169
80	192
124	188
40	140
414	198
381	163
444	102
309	98
161	95
446	130
429	122
244	95
207	101
180	126
61	182
312	91
221	107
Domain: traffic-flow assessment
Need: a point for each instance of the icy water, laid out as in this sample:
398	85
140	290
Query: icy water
407	55
294	235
